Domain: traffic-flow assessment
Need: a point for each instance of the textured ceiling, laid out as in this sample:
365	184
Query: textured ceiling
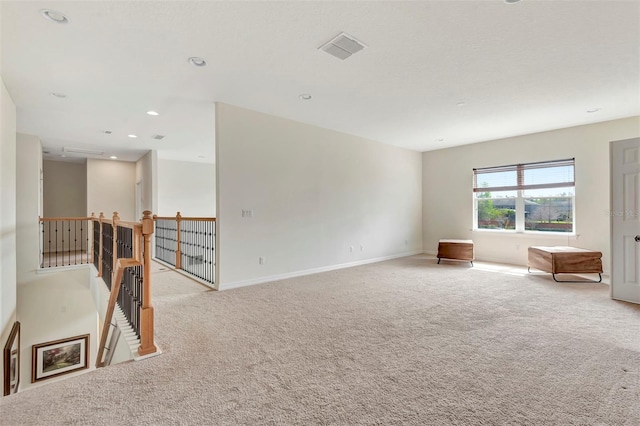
518	68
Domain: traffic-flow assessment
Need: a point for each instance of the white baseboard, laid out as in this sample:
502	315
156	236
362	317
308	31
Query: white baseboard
261	280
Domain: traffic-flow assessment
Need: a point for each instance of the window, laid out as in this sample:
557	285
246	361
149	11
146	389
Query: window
525	197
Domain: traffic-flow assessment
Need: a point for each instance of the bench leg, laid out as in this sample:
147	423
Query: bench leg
471	261
581	281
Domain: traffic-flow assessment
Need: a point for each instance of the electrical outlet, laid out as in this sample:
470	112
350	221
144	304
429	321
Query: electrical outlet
247	213
351	249
261	260
361	247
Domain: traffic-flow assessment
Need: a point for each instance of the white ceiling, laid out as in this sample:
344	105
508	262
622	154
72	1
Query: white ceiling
518	68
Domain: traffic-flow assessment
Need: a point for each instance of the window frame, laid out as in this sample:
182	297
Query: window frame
519	187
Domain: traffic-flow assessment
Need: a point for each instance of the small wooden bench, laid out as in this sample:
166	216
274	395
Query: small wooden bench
456	250
565	260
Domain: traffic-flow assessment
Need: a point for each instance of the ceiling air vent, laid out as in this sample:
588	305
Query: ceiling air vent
81	151
342	46
158	137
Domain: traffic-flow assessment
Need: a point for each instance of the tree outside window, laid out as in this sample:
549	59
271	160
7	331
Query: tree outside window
525	197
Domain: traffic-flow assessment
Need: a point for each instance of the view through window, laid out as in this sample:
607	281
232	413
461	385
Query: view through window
525	197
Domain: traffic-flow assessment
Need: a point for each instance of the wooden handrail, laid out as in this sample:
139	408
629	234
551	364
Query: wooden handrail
119	222
53	219
204	219
130	225
126	224
121	264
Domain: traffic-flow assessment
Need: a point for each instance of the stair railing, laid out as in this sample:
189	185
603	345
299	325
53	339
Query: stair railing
188	244
64	241
123	256
121	253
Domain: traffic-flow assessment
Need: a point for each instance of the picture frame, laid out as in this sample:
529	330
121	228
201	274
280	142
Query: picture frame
59	357
11	361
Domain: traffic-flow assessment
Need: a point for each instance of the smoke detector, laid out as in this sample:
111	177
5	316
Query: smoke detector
342	46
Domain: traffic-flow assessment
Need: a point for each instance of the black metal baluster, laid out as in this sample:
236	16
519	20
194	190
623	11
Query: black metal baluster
75	241
49	245
68	244
198	225
210	250
55	223
42	251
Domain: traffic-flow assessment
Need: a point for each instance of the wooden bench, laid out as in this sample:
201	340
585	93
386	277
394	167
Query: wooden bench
565	260
456	250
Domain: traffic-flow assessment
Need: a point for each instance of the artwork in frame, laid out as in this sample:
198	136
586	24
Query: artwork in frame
11	361
62	356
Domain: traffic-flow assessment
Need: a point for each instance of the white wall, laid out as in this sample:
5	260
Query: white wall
28	205
65	189
110	188
186	187
314	193
55	306
145	177
448	177
8	277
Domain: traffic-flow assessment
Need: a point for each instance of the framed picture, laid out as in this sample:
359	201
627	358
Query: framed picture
11	361
59	357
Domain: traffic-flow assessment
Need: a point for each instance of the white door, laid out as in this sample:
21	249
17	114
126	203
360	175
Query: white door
139	201
625	220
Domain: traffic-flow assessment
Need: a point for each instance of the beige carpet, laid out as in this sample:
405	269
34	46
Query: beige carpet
399	342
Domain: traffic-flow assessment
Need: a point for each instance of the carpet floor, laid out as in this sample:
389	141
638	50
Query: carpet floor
404	341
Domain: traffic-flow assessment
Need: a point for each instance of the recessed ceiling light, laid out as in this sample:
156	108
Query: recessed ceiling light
592	110
54	16
58	95
132	136
107	132
461	104
511	1
305	96
153	113
198	62
439	140
113	157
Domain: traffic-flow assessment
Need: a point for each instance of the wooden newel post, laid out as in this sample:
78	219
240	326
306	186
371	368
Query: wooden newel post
114	257
178	251
147	345
100	218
